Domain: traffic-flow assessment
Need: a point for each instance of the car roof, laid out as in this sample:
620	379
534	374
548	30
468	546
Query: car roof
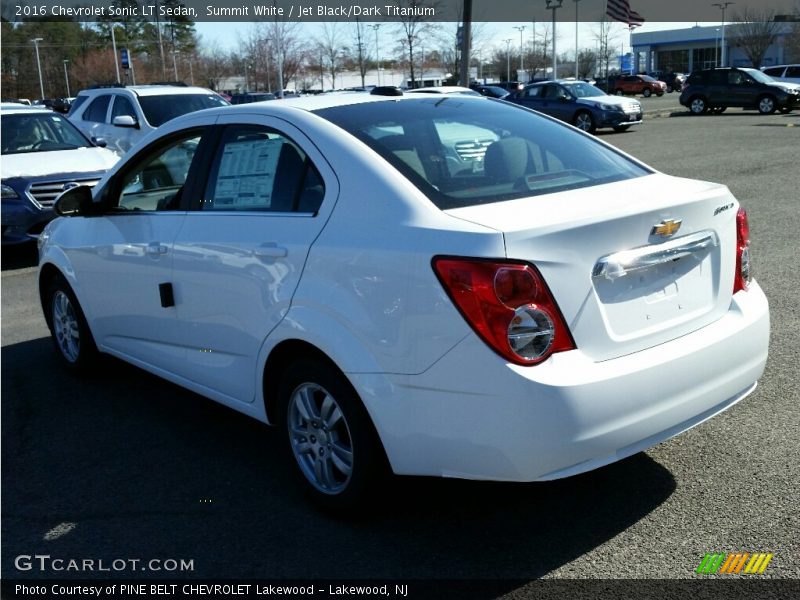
151	90
13	107
442	89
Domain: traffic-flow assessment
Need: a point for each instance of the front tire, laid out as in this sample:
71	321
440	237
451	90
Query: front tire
584	121
70	332
330	436
766	105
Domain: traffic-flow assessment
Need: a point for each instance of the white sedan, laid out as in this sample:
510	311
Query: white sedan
425	285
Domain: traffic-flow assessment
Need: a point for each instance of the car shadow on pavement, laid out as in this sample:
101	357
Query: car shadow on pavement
19	256
141	468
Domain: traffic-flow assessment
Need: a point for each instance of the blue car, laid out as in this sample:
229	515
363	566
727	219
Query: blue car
581	104
43	154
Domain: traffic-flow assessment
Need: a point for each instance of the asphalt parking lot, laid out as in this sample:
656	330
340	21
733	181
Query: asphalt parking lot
125	465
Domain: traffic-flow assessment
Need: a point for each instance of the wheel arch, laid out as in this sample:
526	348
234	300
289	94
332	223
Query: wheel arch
283	354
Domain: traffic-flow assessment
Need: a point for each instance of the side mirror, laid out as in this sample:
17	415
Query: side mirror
99	142
125	121
75	202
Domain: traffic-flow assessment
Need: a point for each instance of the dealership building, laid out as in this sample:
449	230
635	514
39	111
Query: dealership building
686	50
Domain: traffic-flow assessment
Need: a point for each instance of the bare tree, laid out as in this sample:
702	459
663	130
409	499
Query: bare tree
331	48
754	31
607	43
413	29
215	65
361	49
791	43
587	60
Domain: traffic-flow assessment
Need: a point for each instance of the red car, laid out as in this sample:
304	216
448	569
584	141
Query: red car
639	84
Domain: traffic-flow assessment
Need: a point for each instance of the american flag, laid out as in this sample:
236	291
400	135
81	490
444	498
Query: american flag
620	10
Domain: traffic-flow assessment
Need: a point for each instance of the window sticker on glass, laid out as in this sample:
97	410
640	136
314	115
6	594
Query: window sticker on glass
246	174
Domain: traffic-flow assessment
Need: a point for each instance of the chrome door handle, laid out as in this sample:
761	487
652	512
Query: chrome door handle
155	249
270	251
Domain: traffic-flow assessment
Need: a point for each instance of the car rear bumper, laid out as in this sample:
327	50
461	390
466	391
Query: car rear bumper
473	416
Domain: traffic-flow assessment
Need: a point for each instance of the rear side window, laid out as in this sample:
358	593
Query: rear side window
260	169
76	104
162	108
696	79
98	109
463	152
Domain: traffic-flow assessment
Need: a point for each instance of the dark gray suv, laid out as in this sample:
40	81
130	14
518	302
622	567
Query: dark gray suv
714	90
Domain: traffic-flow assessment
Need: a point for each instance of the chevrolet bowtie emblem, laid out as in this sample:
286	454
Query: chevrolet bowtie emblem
666	228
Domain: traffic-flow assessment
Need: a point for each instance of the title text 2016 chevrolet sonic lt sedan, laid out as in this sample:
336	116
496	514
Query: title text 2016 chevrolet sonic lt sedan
447	286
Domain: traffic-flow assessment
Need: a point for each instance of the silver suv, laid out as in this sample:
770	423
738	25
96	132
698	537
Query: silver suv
123	115
787	73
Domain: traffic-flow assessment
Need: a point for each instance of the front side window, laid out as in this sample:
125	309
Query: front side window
792	72
462	152
97	110
122	108
156	182
260	169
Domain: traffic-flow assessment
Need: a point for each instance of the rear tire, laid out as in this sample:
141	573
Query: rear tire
331	439
68	327
646	93
766	105
698	105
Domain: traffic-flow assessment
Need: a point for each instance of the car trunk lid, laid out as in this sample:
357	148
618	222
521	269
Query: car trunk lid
631	264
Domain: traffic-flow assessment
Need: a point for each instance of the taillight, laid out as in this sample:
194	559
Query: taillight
743	274
508	305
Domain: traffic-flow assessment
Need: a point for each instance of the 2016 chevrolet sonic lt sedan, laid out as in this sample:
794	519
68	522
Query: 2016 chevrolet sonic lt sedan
447	286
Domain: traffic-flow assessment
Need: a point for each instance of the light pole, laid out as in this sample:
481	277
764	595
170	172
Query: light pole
722	6
66	77
39	64
554	5
114	50
175	62
508	60
377	26
576	37
520	28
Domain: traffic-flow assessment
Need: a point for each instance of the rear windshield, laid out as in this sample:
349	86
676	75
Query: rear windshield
463	151
160	109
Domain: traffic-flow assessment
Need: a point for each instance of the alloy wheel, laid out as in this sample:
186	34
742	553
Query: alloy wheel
320	438
65	327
